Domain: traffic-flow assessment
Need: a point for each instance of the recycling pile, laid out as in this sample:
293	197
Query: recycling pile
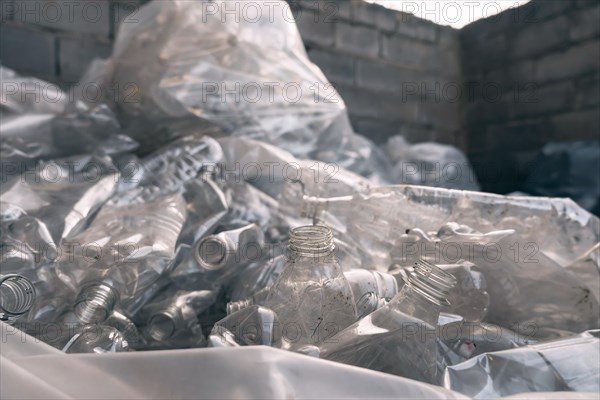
186	218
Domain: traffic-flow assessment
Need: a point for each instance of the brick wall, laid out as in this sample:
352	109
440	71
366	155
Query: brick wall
391	68
534	73
55	40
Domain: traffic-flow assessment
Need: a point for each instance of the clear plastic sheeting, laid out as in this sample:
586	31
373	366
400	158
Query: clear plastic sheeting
29	370
559	228
571	364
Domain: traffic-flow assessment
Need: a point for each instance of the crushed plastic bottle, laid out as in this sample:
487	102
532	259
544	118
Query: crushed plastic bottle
26	242
312	297
399	338
125	326
216	258
97	339
175	314
131	245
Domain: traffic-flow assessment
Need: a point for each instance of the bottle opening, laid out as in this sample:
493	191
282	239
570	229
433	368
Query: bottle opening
162	326
311	241
17	295
431	281
211	253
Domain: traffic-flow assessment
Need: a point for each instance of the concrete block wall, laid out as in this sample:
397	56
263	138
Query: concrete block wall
55	40
390	67
397	73
535	74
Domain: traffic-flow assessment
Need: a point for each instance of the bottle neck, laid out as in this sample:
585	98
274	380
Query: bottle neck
95	303
165	324
235	306
17	296
426	291
311	241
212	253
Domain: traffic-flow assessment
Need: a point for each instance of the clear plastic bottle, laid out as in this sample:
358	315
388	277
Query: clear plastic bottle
312	297
125	326
17	296
181	161
97	339
399	338
469	298
95	302
178	314
216	258
371	290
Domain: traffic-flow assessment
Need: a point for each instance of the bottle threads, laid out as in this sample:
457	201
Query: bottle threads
17	295
95	303
431	282
311	240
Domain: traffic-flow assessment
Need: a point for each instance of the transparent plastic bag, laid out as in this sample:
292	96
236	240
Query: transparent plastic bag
190	68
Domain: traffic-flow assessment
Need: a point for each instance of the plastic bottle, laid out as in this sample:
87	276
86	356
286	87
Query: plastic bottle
399	338
95	302
371	290
97	339
178	314
125	326
216	258
312	297
17	296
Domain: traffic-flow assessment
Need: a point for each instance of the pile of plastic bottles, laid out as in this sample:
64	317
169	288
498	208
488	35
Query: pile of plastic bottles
172	223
